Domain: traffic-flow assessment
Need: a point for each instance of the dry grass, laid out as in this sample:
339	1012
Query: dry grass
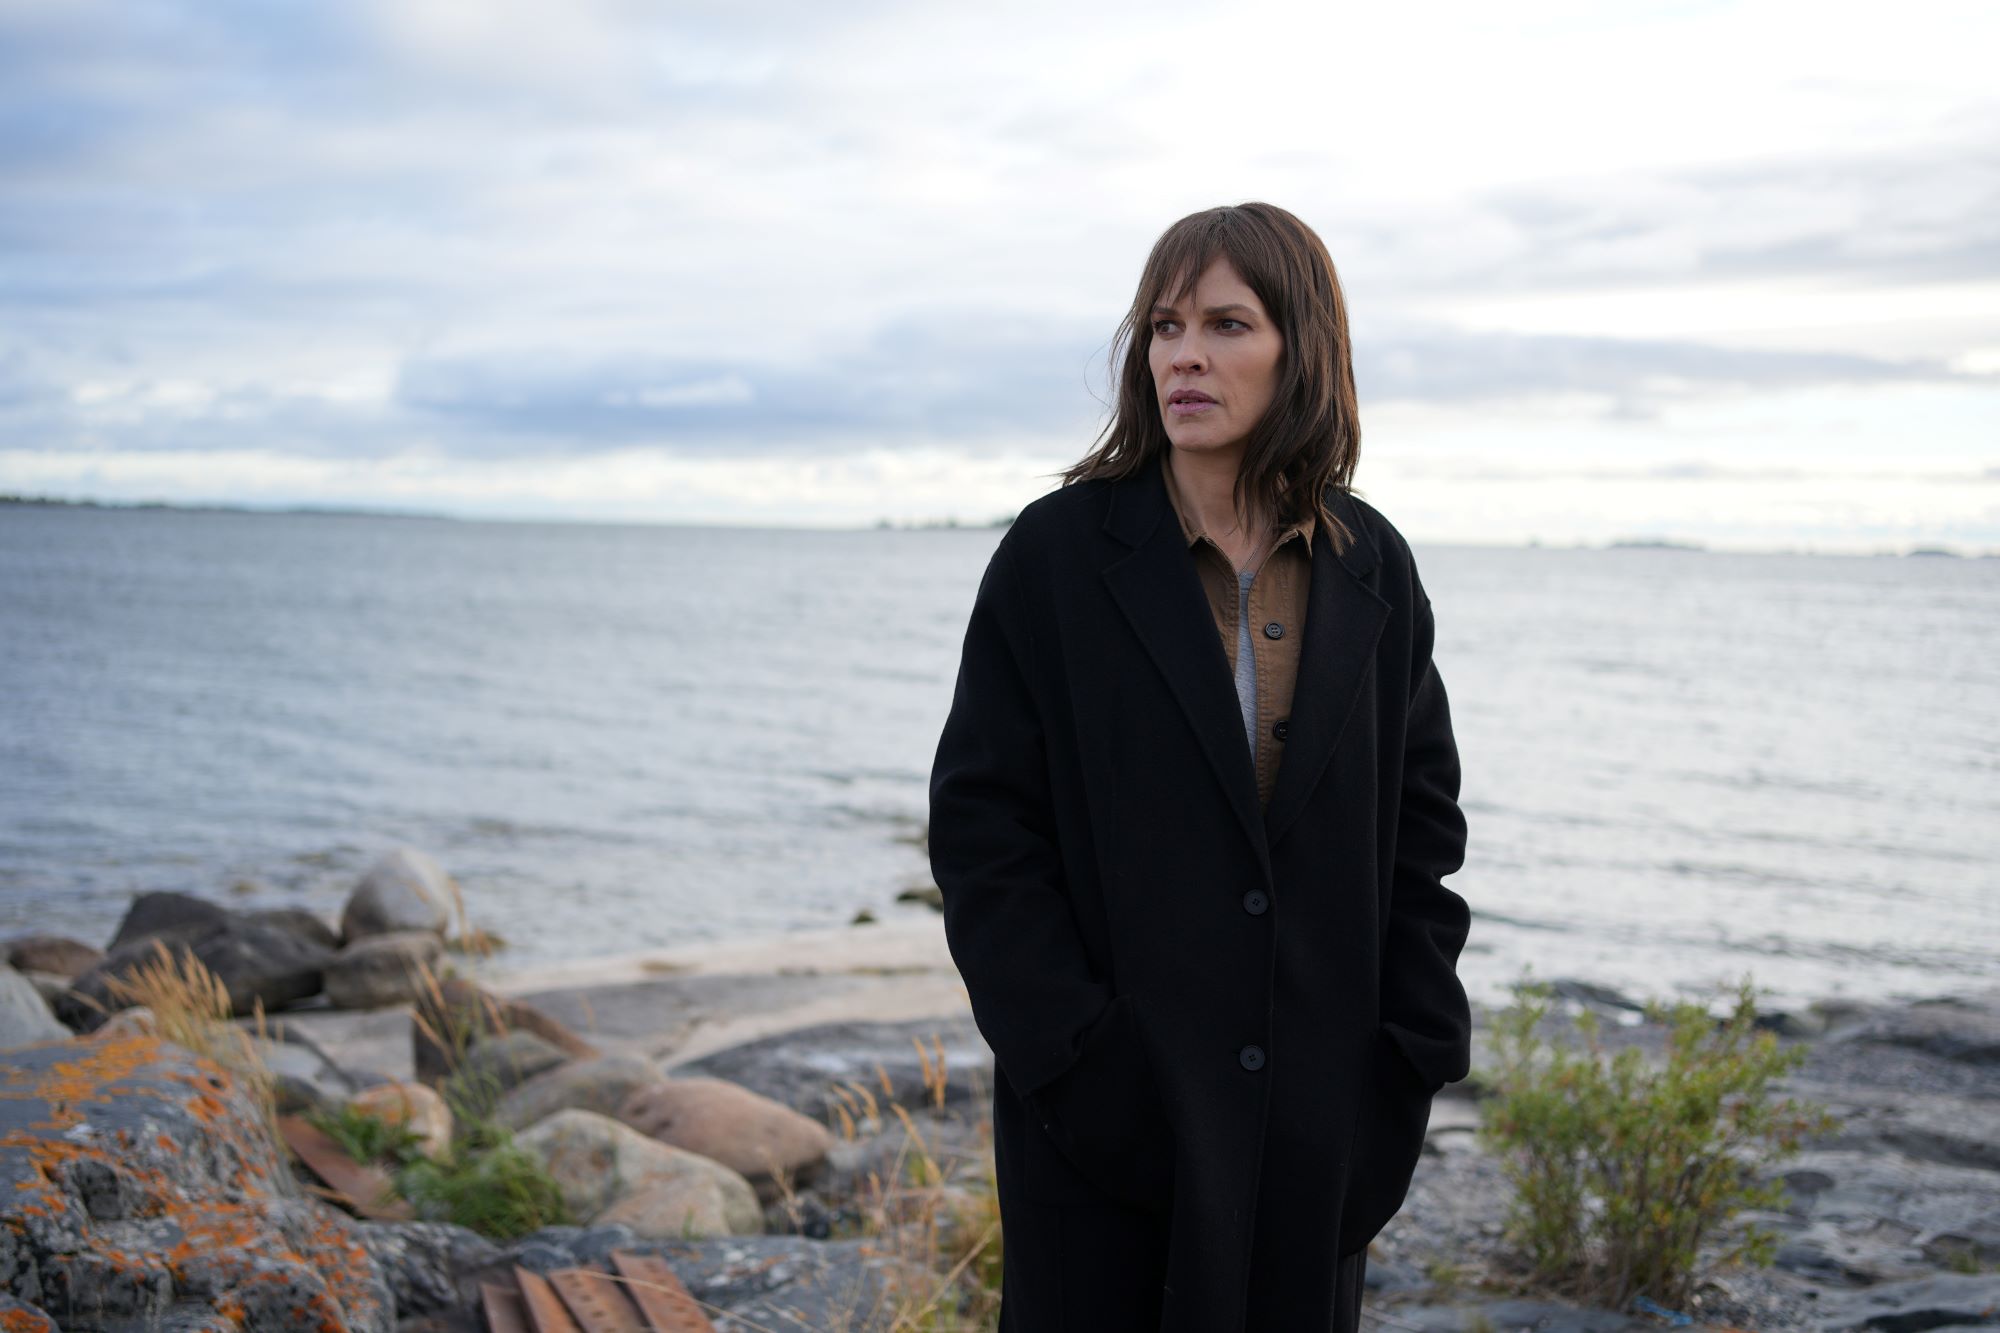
934	1217
191	1008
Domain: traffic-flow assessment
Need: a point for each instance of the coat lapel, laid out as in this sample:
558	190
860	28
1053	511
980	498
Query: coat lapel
1156	586
1344	621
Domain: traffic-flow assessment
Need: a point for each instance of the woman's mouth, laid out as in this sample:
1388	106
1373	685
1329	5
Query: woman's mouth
1188	402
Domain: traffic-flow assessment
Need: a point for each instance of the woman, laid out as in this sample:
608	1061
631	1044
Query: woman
1191	813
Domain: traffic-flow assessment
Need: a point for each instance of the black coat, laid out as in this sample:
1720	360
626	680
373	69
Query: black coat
1192	1000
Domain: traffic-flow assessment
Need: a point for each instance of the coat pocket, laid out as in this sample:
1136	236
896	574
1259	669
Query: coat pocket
1103	1118
1388	1140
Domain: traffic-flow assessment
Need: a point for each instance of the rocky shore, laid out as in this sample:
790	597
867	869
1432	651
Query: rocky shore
796	1126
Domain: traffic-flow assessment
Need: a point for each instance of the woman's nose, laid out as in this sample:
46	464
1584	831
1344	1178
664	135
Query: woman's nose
1189	357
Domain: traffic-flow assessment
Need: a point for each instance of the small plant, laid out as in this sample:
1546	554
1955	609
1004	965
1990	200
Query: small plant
487	1184
368	1139
1622	1168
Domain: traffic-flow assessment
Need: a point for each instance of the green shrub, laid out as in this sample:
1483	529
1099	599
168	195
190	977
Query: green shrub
487	1184
1622	1166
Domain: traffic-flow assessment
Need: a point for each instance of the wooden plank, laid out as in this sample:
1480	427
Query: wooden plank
503	1309
546	1311
667	1305
366	1189
597	1301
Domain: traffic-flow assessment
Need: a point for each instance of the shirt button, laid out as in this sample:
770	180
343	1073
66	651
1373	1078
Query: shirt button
1256	902
1280	729
1273	630
1251	1058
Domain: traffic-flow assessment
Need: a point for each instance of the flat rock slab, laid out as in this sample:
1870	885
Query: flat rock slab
1541	1316
800	1069
377	1042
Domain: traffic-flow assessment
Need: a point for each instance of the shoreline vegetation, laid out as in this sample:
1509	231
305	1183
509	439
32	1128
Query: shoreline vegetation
1670	545
796	1126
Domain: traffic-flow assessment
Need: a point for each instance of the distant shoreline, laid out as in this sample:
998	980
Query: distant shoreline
326	511
1662	545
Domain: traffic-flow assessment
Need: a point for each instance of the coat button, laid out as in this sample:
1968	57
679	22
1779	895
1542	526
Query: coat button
1251	1058
1273	630
1256	902
1281	729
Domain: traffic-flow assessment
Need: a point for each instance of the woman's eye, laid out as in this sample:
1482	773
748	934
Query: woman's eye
1163	325
1226	322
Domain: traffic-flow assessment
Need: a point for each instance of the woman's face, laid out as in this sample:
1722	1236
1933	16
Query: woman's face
1215	361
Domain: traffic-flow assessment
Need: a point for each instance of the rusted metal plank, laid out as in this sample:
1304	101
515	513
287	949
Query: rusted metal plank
367	1189
667	1305
597	1301
546	1311
503	1309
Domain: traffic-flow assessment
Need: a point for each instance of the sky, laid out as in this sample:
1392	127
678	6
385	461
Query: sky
1725	273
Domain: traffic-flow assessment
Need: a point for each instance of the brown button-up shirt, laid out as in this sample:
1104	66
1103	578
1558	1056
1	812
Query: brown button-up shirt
1277	621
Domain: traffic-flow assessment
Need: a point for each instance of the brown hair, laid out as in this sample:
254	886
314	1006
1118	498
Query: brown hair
1310	436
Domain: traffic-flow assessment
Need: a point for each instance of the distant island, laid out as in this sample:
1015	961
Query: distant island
332	511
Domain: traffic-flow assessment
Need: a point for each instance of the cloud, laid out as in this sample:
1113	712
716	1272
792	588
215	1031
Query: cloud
1633	376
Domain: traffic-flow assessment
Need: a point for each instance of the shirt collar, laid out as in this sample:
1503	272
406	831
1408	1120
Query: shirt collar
1192	531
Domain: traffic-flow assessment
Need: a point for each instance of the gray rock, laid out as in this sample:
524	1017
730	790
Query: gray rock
306	1079
504	1062
1960	1028
170	916
929	895
306	925
257	963
382	970
800	1069
611	1171
54	954
600	1085
403	890
24	1015
429	1266
139	1186
1970	1300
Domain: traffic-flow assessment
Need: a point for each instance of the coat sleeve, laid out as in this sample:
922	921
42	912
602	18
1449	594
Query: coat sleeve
1424	1007
995	856
1426	1033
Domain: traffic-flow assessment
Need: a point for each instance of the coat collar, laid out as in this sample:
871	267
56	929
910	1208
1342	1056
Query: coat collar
1156	586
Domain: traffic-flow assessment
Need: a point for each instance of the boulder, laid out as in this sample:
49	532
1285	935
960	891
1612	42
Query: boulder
306	925
599	1164
504	1062
25	1017
602	1085
139	1187
380	970
171	916
678	1208
56	954
413	1106
772	1146
404	890
459	1014
256	963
